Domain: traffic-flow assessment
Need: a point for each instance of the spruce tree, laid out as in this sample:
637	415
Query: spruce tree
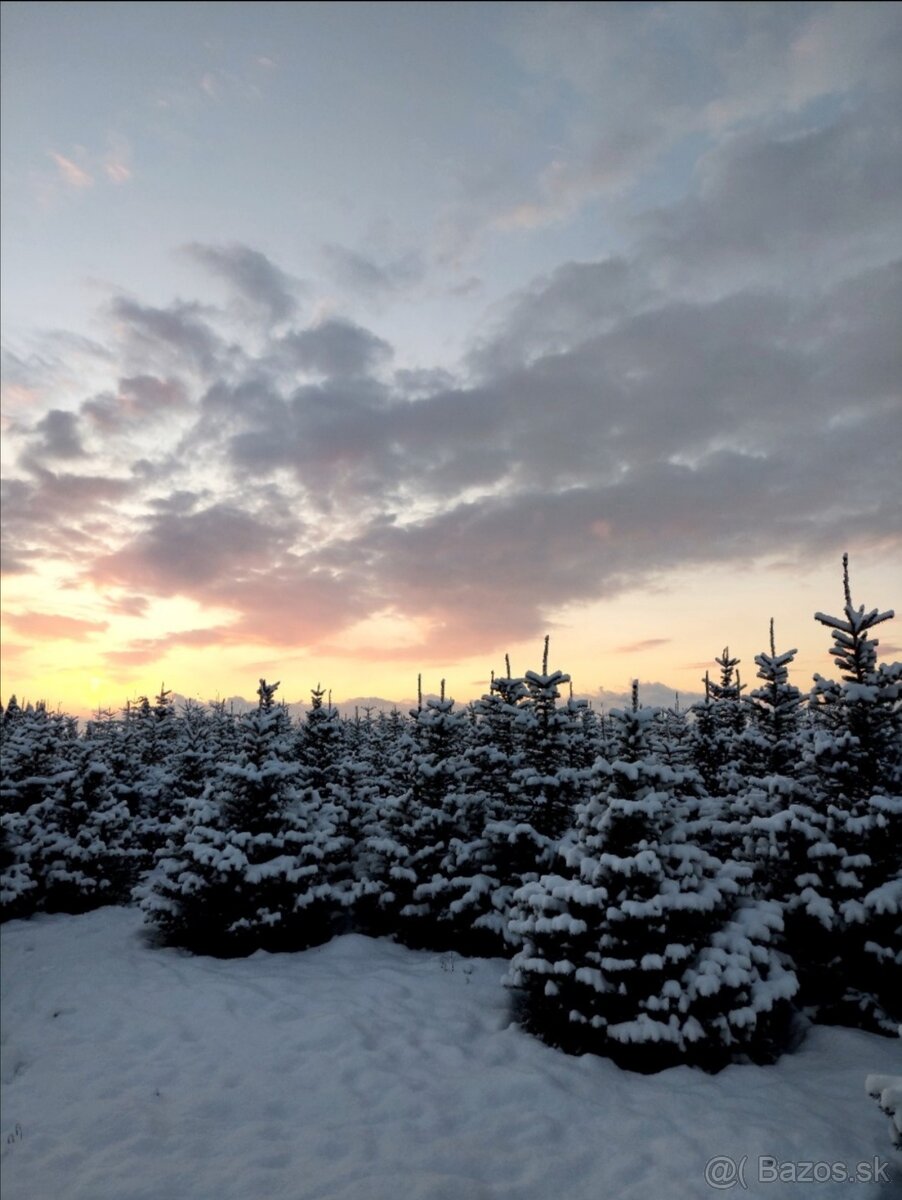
847	919
244	867
642	945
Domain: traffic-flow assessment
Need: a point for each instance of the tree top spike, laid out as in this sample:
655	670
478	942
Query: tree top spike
845	579
545	655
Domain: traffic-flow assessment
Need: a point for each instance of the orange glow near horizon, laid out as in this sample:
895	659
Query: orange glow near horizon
667	633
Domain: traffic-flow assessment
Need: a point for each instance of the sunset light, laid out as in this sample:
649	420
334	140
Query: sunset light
451	624
362	367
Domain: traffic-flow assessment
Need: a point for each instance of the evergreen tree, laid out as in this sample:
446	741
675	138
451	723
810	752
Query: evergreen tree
549	778
773	746
432	816
846	920
644	946
386	882
244	870
66	836
323	810
859	750
718	723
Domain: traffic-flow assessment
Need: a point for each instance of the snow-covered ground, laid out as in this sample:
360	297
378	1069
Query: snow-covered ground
361	1070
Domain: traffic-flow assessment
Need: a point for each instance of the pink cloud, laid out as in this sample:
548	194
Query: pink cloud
70	172
14	649
148	650
116	165
117	172
51	626
638	647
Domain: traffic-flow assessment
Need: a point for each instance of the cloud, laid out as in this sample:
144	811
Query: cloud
71	173
362	275
611	435
336	348
791	204
179	553
117	161
253	276
138	399
15	650
57	515
641	647
56	436
51	364
52	627
127	605
81	170
722	388
174	338
554	313
622	96
651	695
148	650
117	171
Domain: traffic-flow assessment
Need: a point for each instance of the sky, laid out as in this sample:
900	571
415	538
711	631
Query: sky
343	342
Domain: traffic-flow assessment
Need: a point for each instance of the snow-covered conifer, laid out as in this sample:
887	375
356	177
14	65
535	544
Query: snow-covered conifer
239	876
642	945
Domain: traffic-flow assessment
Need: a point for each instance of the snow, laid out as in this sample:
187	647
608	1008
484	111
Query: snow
887	1091
361	1070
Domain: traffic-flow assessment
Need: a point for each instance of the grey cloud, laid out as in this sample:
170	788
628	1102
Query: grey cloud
52	360
57	515
56	435
621	418
362	275
418	383
647	80
253	276
336	348
485	572
180	501
335	438
181	552
668	385
138	398
800	206
176	335
466	287
578	301
651	694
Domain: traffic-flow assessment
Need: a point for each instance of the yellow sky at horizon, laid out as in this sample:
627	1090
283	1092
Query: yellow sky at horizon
668	632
